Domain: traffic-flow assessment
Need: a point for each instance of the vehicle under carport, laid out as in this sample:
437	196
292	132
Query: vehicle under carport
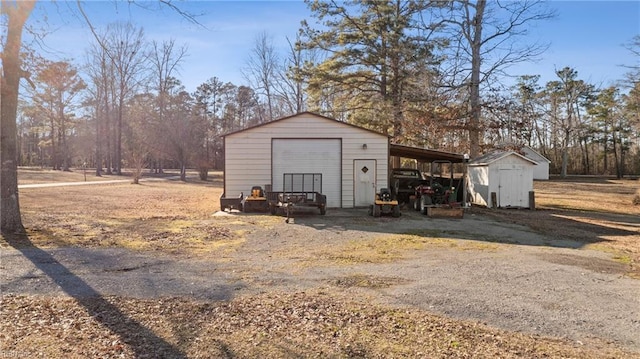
427	156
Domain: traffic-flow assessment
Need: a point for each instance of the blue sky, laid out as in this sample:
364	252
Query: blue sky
586	35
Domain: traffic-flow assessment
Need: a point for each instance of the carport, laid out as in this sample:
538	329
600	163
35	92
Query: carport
425	156
421	154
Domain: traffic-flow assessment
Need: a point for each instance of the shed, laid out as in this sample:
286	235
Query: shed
353	160
541	171
507	174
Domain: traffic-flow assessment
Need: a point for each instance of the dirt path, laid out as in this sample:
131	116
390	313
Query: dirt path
499	274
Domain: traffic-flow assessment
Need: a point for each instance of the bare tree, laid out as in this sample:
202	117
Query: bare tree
261	70
165	58
486	38
14	14
181	130
290	86
633	46
140	133
125	48
101	98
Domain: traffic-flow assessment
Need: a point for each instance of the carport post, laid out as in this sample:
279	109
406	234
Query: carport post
465	163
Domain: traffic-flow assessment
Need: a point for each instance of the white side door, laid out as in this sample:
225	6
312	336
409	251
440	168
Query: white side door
364	185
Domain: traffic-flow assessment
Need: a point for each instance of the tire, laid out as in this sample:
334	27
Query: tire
376	210
323	210
425	201
416	204
395	212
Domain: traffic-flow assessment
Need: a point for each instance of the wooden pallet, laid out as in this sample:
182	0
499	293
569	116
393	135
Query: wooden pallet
445	212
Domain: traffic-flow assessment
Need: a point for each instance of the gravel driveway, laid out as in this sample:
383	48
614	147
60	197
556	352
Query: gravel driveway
477	269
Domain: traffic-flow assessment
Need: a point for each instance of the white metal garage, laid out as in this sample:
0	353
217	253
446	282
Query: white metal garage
353	160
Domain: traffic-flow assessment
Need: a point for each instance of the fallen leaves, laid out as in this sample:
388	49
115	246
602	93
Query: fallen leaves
318	324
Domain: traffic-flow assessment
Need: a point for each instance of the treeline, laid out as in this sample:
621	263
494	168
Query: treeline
426	73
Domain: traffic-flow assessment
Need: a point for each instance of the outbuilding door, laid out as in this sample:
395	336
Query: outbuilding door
364	186
309	156
510	187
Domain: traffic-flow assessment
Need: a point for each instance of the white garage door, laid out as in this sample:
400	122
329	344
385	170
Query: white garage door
309	156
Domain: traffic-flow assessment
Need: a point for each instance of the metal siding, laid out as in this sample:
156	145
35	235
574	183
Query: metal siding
479	185
246	165
352	146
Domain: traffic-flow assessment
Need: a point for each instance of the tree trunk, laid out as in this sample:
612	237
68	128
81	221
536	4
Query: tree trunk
54	148
585	158
474	86
64	148
616	158
565	160
10	221
99	136
586	154
118	144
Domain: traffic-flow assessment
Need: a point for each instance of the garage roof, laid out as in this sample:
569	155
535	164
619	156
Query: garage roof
491	157
299	114
423	154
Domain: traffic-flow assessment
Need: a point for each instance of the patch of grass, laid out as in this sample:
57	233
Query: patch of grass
381	249
463	239
624	259
188	236
366	281
392	247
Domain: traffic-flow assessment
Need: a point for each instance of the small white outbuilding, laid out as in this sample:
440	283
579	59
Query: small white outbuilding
353	160
505	177
541	171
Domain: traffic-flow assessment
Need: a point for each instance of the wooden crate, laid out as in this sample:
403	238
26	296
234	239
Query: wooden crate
445	212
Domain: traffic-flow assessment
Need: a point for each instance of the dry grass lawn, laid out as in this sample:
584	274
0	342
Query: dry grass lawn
589	194
598	212
176	217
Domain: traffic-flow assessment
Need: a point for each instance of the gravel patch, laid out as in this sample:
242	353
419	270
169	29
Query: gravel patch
474	268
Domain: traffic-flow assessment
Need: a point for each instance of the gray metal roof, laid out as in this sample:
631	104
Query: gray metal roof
423	154
494	156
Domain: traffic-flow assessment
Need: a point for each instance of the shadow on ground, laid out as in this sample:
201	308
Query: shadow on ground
565	229
141	339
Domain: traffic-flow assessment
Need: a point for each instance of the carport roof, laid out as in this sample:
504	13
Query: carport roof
423	154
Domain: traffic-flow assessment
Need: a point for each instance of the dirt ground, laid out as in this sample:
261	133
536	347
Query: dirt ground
154	271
